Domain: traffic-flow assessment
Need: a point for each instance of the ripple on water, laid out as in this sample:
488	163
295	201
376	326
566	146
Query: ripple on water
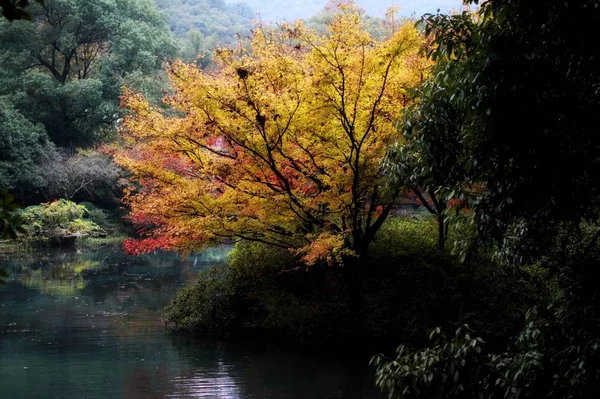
96	331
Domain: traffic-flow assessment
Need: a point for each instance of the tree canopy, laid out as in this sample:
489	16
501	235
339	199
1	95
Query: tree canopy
65	68
283	144
24	146
506	123
16	9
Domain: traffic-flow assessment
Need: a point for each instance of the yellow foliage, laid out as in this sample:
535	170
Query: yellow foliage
281	144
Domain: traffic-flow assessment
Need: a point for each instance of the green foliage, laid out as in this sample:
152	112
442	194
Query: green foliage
446	370
555	353
415	286
96	215
24	146
288	9
513	61
11	223
200	24
405	237
410	285
58	218
65	69
527	183
378	28
197	47
115	239
16	9
240	295
551	357
506	128
461	368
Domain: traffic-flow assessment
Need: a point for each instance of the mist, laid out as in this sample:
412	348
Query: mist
276	10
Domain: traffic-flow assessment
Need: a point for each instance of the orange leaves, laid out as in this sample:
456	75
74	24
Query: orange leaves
327	247
283	140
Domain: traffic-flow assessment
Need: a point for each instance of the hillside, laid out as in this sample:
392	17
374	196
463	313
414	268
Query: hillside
212	18
275	10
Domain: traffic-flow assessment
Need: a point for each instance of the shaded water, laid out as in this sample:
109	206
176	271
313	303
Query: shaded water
88	325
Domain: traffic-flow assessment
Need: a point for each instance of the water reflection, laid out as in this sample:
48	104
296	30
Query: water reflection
88	325
63	279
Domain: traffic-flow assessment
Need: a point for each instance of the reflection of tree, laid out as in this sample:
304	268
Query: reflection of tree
234	370
139	384
63	280
159	383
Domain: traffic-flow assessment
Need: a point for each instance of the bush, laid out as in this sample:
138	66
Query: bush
410	286
87	175
554	354
58	218
96	215
259	291
445	370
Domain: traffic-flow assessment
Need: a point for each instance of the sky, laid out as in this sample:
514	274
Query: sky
275	10
408	7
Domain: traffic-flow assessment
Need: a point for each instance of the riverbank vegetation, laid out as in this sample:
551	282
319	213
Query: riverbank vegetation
506	123
409	286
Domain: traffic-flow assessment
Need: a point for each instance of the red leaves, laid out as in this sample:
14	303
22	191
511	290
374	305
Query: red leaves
145	245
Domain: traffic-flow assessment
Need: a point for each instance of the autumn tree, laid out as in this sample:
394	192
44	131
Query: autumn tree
282	145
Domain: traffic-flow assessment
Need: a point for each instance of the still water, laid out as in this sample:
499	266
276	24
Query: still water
88	325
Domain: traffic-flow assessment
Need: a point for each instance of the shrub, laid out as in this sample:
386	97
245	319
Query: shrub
58	218
96	215
86	175
410	286
260	291
445	370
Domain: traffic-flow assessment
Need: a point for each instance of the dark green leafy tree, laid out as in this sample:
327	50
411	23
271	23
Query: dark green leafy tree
11	223
508	122
505	125
525	86
428	158
16	9
66	68
24	147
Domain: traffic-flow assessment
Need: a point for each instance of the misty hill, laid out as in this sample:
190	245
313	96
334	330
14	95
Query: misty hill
275	10
220	20
212	18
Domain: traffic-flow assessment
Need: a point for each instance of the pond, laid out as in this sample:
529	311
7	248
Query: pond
89	325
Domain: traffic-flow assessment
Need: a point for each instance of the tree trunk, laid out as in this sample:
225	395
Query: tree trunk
441	232
355	279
